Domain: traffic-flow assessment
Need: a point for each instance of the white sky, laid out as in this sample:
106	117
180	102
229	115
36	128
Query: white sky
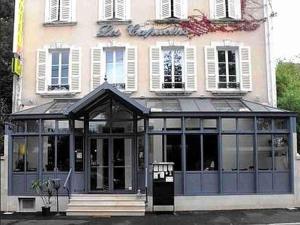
286	29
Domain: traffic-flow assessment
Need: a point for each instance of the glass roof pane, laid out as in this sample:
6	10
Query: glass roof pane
171	105
237	105
59	107
221	106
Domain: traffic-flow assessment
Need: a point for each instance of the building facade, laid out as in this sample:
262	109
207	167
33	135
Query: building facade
110	87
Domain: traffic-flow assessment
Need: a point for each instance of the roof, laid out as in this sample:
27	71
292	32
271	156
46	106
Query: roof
145	106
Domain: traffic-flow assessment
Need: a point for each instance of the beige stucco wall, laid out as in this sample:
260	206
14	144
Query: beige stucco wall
84	35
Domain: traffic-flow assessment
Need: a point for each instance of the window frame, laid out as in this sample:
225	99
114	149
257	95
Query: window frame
227	64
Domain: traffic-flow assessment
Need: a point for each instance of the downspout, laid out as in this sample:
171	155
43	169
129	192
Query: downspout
271	74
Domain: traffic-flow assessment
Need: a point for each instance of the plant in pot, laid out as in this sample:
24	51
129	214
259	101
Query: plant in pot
44	189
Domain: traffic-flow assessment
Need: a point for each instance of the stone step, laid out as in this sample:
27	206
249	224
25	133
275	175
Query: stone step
104	208
106	203
105	213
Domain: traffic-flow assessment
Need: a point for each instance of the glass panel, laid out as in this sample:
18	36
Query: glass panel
209	124
229	152
281	124
231	56
122	161
79	154
281	147
264	152
192	124
19	151
55	58
210	152
167	54
122	127
119	112
48	153
178	62
19	126
156	148
222	69
99	149
140	125
63	153
141	149
97	127
49	126
246	124
228	124
246	153
33	126
79	126
174	150
32	153
63	126
264	124
193	152
65	58
173	124
156	124
221	56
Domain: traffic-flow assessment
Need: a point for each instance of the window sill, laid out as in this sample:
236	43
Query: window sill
229	92
114	22
59	24
58	93
170	21
226	21
173	92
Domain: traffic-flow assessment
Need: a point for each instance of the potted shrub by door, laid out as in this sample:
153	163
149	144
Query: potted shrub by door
44	189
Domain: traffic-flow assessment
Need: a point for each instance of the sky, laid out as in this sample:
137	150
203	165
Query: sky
286	29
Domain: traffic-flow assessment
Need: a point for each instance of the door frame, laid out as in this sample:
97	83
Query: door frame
110	164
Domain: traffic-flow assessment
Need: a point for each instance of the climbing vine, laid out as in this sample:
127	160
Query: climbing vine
198	25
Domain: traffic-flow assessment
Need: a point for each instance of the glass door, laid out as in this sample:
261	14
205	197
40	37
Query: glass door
122	164
99	164
111	165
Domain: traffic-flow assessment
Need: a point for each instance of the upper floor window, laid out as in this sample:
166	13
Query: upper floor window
60	11
115	67
225	9
168	9
58	70
114	9
118	64
228	67
173	67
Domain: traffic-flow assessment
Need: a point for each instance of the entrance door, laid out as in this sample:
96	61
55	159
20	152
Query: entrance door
111	165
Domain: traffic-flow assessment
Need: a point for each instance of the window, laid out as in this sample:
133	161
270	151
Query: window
229	152
227	65
60	11
79	154
59	70
226	9
115	71
114	9
193	152
171	9
173	68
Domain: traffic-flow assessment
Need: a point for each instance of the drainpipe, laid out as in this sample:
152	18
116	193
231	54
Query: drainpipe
271	74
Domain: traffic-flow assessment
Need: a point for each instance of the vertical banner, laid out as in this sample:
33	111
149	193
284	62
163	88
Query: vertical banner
18	37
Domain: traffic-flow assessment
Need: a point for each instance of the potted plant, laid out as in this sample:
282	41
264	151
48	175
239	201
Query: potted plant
44	189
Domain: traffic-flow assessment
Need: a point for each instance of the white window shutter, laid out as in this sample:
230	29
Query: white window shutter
178	8
234	9
51	11
120	9
107	10
245	69
220	9
131	79
65	10
165	9
211	68
75	70
191	69
73	10
97	67
41	70
155	68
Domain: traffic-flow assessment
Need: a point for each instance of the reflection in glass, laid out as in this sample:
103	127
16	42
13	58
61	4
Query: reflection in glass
48	153
192	124
32	126
210	152
228	124
173	124
281	147
264	152
264	124
245	124
32	153
19	151
79	153
229	152
49	126
156	124
246	151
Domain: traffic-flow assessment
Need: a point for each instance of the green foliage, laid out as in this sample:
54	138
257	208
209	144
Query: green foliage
288	89
44	190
